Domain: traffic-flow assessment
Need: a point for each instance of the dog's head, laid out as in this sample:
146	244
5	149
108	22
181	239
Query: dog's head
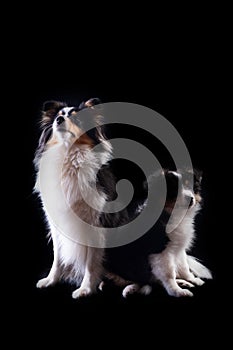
183	188
63	124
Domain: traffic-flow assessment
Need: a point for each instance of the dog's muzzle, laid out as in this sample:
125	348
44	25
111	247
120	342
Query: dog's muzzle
59	120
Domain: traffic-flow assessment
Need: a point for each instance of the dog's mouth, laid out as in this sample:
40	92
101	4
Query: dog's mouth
191	202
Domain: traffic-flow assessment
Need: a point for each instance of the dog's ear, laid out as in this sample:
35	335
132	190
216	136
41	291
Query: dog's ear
90	103
45	135
50	110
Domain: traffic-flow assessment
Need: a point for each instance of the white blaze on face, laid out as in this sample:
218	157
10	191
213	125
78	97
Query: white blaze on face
64	112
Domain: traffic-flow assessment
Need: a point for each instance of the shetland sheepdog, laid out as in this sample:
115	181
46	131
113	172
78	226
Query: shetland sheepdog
172	267
67	167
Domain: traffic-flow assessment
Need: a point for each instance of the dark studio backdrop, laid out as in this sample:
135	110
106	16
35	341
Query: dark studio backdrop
176	81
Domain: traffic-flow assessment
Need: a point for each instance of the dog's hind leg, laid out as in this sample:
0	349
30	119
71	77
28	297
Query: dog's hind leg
145	290
135	288
55	271
198	269
116	279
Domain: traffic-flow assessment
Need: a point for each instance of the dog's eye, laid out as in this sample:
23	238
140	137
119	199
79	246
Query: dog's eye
73	112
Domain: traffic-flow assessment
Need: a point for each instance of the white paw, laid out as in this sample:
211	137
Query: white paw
184	283
82	292
101	286
145	290
198	281
45	282
130	289
183	293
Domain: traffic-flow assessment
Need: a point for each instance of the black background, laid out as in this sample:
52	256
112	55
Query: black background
177	73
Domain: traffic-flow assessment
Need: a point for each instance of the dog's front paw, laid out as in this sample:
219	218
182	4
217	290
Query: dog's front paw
45	282
183	293
198	281
184	283
130	289
82	292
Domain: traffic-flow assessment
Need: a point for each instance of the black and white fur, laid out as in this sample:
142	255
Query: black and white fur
64	145
173	267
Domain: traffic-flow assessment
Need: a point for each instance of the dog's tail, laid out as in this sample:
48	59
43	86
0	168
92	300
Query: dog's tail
198	269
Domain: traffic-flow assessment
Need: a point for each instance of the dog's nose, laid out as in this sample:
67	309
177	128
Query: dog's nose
60	120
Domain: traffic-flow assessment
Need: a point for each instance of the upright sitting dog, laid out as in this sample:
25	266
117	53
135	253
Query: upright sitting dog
172	266
66	157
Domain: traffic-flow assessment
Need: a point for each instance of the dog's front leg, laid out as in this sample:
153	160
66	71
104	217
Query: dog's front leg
55	271
164	269
92	274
